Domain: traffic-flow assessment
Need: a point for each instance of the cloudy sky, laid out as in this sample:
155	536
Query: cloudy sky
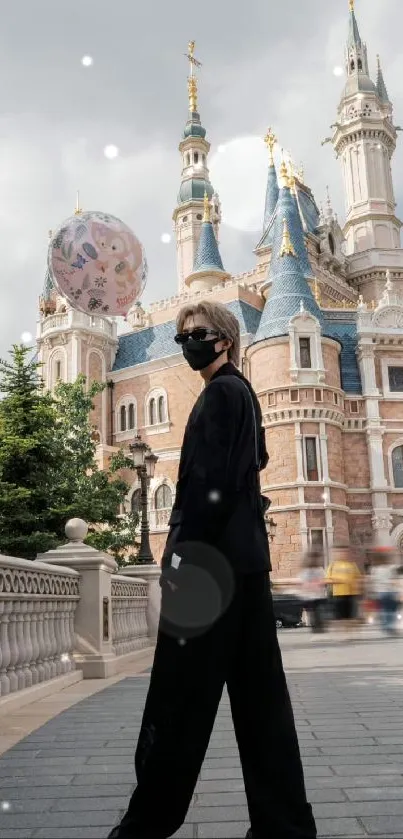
264	63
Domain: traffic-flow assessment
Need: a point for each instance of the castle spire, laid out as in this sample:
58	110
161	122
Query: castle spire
354	33
380	84
208	269
272	189
289	286
195	181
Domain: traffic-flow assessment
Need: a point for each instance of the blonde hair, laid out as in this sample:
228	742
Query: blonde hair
220	319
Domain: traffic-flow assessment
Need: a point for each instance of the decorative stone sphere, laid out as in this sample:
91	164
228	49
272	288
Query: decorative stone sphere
76	530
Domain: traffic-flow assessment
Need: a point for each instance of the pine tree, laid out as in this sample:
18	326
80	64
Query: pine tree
48	468
29	452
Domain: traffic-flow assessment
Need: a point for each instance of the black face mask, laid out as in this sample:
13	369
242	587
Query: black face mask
200	354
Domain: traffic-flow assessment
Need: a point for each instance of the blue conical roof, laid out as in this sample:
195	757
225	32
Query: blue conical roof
272	193
207	255
287	207
289	287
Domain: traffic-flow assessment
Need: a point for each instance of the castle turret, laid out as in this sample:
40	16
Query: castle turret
208	269
195	182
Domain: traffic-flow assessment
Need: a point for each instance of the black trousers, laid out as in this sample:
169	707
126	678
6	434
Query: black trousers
241	650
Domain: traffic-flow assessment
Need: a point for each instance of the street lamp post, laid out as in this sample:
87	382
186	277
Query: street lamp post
144	463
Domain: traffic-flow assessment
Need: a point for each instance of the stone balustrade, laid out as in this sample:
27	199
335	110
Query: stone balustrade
129	614
37	608
159	518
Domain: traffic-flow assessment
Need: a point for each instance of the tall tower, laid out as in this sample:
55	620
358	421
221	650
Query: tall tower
195	182
364	140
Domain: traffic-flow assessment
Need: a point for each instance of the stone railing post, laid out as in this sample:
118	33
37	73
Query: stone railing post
93	616
152	574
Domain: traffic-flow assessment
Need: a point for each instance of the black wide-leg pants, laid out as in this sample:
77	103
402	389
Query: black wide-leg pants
241	650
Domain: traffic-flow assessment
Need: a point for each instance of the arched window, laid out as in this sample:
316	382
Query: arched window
161	409
359	64
352	64
153	412
397	465
163	498
135	502
132	416
188	159
123	418
196	157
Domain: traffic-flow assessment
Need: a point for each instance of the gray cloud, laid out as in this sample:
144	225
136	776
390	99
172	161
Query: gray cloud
263	64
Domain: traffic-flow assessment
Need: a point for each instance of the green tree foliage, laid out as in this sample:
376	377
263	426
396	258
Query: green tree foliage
48	468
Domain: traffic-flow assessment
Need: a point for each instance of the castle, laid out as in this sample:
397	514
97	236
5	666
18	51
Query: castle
321	316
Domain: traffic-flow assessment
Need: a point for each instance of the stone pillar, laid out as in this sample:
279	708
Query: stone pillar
152	574
93	617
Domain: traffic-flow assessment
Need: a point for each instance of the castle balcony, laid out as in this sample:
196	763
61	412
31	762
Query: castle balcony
73	319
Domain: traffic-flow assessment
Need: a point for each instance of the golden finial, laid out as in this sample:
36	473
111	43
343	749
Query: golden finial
286	245
78	209
270	140
283	172
192	80
207	208
351	2
291	176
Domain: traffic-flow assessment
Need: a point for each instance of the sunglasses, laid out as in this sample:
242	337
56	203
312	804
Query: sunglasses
199	334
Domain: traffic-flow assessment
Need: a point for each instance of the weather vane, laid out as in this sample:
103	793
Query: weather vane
192	80
190	56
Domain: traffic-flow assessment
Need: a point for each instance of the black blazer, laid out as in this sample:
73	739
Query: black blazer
218	490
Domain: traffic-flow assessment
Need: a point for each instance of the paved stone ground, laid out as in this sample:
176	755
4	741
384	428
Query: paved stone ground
71	778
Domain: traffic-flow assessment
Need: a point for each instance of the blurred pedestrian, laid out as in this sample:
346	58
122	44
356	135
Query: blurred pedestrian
313	588
346	581
384	584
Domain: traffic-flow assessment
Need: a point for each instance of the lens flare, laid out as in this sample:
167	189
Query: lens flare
166	238
87	61
26	337
111	152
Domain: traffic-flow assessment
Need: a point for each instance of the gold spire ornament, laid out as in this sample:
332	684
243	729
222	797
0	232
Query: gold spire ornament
270	140
291	176
192	80
351	2
287	248
207	208
78	209
283	173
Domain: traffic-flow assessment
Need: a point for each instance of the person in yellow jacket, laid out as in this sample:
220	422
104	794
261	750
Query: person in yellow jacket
346	581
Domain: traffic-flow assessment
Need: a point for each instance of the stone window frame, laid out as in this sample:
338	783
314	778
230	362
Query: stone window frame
305	325
385	364
395	445
160	426
126	402
160	482
59	354
316	437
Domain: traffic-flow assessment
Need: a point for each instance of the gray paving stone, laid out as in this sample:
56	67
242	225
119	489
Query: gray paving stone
74	805
354	781
24	805
57	780
221	785
68	791
217	814
104	778
359	809
384	826
220	830
339	827
72	833
16	834
217	799
58	820
221	774
374	793
373	769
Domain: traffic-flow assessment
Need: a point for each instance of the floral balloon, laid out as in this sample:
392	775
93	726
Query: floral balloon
97	263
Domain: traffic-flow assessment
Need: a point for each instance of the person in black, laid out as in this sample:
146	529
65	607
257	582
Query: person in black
217	625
